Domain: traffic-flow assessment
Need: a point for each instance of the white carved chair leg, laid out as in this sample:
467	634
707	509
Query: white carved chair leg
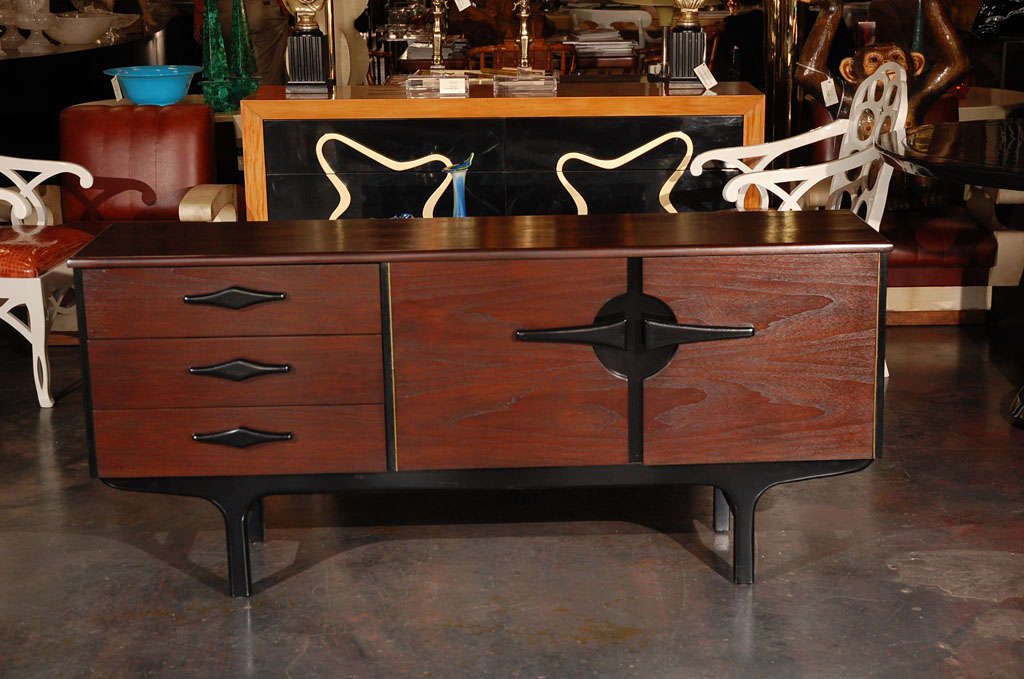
39	326
56	284
29	292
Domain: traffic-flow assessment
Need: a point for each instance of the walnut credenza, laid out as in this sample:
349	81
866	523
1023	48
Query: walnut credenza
235	361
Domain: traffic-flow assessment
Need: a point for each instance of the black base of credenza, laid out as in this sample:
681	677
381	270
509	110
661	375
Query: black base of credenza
738	484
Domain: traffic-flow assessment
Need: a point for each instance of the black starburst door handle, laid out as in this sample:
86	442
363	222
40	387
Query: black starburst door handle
605	334
241	437
635	335
662	334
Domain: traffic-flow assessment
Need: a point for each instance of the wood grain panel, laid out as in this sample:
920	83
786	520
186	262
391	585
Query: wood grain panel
255	166
803	388
323	370
147	303
572	99
469	395
325	440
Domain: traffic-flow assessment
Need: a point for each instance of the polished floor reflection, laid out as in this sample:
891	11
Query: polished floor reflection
913	568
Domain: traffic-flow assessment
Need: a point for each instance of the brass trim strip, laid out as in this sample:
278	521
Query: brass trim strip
390	339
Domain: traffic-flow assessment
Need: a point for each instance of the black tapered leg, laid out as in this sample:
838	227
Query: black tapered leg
742	504
742	491
255	522
721	512
743	484
236	515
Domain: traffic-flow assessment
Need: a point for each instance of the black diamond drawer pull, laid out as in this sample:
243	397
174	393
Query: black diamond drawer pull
660	334
239	369
606	334
242	437
234	298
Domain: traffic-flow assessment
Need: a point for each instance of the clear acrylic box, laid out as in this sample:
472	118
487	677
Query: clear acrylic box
526	83
437	85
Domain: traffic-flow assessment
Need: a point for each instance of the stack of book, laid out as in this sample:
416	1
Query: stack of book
600	42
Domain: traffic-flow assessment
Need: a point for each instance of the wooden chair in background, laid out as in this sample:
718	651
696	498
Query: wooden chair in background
543	55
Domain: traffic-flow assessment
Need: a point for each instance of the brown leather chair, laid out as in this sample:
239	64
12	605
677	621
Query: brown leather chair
149	163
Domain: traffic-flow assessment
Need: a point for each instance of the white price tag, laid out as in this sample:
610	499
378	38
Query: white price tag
828	92
462	4
452	86
703	74
117	89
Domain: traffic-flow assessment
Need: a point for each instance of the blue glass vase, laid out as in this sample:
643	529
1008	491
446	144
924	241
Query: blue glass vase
458	173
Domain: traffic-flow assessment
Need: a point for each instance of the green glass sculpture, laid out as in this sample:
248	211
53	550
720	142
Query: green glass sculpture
242	58
216	84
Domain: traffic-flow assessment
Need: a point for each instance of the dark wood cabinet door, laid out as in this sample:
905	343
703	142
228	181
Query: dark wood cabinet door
468	395
802	388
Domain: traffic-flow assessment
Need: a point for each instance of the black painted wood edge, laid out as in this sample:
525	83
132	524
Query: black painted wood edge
387	352
883	273
525	478
83	345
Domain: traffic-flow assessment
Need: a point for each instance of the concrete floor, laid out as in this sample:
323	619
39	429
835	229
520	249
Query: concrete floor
912	568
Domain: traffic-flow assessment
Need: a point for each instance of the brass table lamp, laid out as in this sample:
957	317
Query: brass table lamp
307	56
685	44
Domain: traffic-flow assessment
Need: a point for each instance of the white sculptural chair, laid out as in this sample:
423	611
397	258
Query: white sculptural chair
33	256
859	176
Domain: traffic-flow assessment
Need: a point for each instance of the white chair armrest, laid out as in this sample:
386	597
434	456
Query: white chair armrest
209	203
18	206
802	178
33	189
766	153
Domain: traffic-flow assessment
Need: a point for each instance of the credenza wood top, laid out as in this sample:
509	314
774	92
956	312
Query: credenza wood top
144	244
572	99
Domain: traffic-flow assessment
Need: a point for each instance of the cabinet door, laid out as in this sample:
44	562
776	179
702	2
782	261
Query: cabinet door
802	388
468	395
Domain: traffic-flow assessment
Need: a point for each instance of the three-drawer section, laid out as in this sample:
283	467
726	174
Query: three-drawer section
211	371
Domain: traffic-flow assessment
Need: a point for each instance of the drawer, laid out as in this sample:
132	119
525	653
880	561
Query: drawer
321	370
324	440
317	300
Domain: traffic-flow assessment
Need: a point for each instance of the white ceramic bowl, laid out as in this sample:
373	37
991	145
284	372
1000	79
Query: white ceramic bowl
79	29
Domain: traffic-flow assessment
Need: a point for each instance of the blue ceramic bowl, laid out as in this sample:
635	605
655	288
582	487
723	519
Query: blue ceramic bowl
156	85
